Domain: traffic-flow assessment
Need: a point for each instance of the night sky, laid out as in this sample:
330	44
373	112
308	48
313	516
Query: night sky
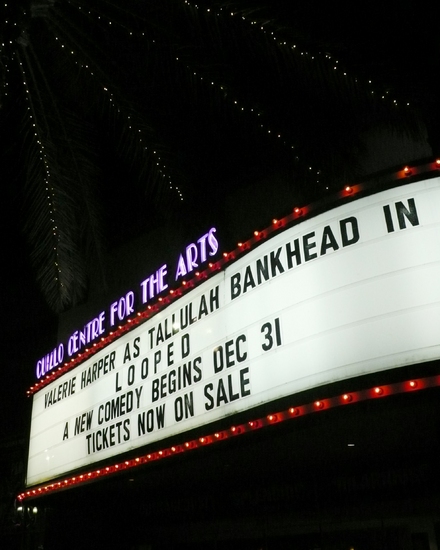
395	44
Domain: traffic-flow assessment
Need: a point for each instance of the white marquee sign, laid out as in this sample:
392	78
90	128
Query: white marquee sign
352	291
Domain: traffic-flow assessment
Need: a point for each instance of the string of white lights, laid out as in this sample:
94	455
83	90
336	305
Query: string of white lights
49	190
157	162
221	88
266	27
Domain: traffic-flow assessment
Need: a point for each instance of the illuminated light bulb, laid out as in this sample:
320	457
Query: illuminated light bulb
412	384
319	404
407	171
378	391
239	245
347	398
274	221
298	211
233	429
225	254
217	435
256	233
272	417
202	440
348	189
437	162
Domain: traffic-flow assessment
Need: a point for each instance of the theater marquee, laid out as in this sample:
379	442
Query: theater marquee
352	291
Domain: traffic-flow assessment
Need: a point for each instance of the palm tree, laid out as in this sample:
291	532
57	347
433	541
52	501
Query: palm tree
116	115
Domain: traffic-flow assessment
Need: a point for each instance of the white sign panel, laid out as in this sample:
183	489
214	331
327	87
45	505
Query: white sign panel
352	291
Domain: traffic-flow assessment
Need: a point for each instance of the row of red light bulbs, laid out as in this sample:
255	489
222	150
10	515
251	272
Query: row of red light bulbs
271	419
